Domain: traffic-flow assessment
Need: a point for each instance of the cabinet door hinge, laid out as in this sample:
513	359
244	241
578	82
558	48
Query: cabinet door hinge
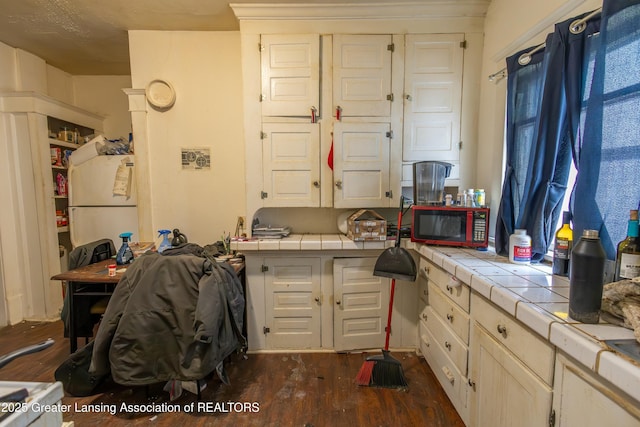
552	418
390	97
389	134
265	330
389	194
391	47
460	145
260	47
463	44
264	268
261	98
263	135
264	194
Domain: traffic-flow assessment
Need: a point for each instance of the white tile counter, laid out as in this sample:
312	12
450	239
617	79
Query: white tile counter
308	242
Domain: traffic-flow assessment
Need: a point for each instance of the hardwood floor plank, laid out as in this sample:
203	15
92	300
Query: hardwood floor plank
294	389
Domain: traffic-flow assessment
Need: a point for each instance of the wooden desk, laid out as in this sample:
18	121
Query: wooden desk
93	280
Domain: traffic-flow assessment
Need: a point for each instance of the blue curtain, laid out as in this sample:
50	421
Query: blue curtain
524	93
607	149
539	150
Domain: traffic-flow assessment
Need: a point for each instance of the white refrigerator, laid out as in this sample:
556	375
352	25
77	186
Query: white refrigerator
102	199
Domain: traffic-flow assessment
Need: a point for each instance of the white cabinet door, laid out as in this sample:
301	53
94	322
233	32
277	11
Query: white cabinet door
292	301
579	399
291	164
360	304
433	97
505	393
361	165
362	75
290	74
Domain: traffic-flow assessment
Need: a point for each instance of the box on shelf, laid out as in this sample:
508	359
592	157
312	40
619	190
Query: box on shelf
366	224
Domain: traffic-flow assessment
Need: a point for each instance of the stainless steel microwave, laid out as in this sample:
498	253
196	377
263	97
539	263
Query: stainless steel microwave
450	226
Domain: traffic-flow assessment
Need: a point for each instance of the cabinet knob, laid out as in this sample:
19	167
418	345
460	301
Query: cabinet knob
502	330
316	184
408	97
450	317
472	384
338	302
447	344
339	185
424	316
317	299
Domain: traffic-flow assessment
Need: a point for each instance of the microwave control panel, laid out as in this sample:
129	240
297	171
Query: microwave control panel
480	221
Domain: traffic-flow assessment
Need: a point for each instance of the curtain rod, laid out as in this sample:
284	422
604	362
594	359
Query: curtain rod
579	25
498	75
525	58
576	27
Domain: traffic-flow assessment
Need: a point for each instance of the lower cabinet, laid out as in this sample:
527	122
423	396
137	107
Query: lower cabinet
582	400
324	302
292	302
444	331
504	391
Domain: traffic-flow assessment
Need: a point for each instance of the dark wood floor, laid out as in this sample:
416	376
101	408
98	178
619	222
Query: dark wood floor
296	389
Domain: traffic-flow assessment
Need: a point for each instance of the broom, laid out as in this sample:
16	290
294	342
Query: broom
383	370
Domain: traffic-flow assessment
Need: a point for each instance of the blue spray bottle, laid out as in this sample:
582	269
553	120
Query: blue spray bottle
165	244
125	255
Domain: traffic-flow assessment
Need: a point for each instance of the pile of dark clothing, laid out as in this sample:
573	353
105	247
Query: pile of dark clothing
173	316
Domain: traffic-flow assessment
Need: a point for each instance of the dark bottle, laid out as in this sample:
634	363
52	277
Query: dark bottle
562	246
586	278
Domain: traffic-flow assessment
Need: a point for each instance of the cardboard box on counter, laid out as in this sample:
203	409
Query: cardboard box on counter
366	225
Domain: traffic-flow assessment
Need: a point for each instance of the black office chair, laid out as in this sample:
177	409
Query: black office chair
89	310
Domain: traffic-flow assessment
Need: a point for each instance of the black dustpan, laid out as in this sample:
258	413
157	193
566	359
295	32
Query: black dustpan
396	262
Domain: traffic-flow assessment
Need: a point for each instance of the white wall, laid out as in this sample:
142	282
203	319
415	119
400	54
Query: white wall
103	95
204	68
510	25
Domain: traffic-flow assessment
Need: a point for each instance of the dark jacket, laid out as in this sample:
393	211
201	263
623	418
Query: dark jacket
172	316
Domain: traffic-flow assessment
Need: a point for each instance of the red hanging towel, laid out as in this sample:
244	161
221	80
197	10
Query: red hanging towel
330	158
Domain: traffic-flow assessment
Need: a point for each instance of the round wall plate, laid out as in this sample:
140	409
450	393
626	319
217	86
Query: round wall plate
160	94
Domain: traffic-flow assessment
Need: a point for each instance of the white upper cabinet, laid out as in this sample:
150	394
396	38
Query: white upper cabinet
290	74
361	164
362	75
433	96
291	164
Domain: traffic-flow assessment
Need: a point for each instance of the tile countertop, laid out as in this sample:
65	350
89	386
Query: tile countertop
530	293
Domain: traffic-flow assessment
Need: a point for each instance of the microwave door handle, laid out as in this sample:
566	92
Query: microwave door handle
469	227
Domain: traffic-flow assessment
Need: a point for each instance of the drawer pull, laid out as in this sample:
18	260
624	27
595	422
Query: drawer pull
424	316
472	384
450	317
450	289
447	344
502	330
448	374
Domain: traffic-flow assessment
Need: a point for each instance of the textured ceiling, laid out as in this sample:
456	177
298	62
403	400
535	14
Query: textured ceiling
89	37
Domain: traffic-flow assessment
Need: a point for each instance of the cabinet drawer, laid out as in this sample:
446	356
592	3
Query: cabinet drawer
450	344
450	313
448	283
451	380
536	353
